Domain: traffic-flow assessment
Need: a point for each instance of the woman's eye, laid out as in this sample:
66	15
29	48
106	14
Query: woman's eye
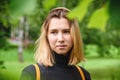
66	31
54	32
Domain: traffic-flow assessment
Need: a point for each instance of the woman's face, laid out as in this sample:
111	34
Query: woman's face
59	36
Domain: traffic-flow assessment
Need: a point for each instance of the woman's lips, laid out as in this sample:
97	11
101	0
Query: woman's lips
61	46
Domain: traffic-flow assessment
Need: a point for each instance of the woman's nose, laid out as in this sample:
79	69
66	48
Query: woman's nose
60	37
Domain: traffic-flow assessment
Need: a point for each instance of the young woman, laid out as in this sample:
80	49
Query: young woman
59	49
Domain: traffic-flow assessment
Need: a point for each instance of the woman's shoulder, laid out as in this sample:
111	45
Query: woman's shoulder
32	68
28	73
86	73
29	68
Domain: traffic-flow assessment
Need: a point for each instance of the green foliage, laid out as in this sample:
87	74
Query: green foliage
3	43
109	50
80	11
2	64
114	14
113	51
92	36
17	10
48	4
4	12
91	50
71	4
27	7
35	20
111	37
34	32
3	40
99	18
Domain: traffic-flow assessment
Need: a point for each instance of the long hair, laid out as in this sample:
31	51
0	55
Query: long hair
43	54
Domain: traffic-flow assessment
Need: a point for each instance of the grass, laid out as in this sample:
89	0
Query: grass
99	68
12	70
103	69
13	67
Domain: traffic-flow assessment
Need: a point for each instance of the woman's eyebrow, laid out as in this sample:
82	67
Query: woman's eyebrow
53	29
66	29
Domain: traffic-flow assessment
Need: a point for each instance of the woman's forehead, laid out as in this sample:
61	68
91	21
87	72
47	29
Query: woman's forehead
59	23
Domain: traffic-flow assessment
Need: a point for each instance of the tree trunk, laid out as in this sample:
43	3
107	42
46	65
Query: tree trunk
20	40
26	42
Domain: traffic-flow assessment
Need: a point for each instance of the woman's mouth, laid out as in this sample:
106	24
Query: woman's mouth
61	46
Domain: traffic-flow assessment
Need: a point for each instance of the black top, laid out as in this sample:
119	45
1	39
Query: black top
60	71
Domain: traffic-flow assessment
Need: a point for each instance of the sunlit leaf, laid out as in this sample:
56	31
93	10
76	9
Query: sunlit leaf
99	18
80	11
48	4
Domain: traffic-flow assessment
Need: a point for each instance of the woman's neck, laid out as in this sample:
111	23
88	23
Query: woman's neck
62	60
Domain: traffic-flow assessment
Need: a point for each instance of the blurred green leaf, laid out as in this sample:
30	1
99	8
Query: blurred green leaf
21	7
81	10
48	4
114	11
99	18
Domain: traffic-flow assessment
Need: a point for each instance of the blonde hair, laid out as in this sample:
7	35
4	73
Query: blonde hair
43	54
